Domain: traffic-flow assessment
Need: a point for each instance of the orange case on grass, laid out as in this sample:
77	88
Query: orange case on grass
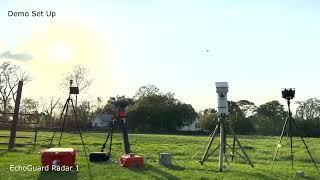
131	160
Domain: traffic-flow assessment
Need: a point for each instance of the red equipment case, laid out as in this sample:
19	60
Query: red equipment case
131	160
58	157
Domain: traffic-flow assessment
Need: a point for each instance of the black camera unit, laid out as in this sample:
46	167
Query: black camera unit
73	90
288	93
121	103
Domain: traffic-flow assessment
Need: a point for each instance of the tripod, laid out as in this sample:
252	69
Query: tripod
222	125
64	113
110	133
285	126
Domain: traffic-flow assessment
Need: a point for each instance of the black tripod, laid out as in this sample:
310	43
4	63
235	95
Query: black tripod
121	121
285	126
64	114
109	135
222	125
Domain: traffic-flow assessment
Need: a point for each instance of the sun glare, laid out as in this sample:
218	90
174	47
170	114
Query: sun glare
57	47
59	53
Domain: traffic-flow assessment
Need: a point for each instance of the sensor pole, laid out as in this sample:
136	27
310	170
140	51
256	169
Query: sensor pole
222	144
222	90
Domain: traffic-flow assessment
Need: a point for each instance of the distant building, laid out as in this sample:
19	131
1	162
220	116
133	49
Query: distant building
101	120
194	126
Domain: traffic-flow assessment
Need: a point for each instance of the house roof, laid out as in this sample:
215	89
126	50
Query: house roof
103	117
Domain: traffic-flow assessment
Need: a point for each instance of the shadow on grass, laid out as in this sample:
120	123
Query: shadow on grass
110	161
3	152
176	168
73	175
149	168
203	169
267	173
259	175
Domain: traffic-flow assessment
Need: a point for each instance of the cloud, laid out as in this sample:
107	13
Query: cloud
20	57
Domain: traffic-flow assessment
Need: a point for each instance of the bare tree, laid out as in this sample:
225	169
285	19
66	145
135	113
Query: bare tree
99	103
80	77
10	75
29	105
49	109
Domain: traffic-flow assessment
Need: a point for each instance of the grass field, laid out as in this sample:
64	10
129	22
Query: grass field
259	148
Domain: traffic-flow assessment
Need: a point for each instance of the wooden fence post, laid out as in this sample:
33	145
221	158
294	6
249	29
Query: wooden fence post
15	118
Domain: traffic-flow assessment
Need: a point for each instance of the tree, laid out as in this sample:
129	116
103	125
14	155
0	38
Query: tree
150	112
83	112
99	103
308	109
248	108
185	114
269	117
208	118
10	75
145	91
49	109
29	105
80	77
308	116
238	121
153	110
110	105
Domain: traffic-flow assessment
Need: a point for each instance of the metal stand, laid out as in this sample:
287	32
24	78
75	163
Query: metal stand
64	114
285	126
110	134
233	145
222	125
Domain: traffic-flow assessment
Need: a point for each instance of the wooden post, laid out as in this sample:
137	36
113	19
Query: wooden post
15	118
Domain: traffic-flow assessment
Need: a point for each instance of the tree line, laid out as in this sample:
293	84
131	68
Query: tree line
268	118
151	110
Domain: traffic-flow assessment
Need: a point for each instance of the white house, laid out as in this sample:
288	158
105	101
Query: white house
101	120
194	126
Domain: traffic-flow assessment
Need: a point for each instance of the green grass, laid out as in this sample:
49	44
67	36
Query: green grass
259	148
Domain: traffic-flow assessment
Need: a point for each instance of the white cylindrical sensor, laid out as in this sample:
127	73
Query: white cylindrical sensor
222	104
222	90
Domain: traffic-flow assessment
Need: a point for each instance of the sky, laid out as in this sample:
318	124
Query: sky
181	46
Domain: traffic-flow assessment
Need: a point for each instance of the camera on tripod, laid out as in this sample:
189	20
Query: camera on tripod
121	105
73	90
288	93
